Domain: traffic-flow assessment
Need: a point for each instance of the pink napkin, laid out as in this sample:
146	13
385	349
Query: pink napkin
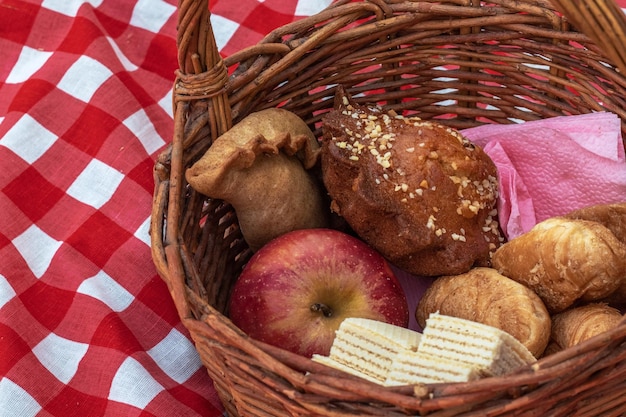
552	166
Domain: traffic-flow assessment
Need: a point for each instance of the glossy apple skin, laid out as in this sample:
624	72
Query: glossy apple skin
272	299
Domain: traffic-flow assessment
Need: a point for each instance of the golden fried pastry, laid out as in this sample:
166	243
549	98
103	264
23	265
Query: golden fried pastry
417	191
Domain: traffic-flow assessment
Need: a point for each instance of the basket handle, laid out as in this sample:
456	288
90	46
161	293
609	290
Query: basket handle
603	21
202	73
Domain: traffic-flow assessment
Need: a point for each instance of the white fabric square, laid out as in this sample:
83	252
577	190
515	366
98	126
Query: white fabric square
96	184
104	288
176	355
151	14
84	78
167	105
28	63
308	7
37	248
60	356
143	233
133	385
140	124
28	139
126	63
223	29
15	401
68	7
6	292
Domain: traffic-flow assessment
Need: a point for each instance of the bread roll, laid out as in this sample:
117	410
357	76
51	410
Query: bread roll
484	296
565	260
417	191
578	324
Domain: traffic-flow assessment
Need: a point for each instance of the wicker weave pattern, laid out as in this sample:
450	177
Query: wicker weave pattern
463	62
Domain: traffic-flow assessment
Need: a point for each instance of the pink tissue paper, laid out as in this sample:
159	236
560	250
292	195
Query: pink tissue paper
552	166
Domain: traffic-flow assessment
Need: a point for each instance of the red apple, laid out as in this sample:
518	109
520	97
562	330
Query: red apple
296	290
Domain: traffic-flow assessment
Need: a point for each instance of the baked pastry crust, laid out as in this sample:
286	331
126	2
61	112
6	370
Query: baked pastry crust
613	217
485	296
417	191
578	324
565	260
263	167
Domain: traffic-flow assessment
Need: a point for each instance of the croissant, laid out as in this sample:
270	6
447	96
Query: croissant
483	295
613	216
565	260
578	324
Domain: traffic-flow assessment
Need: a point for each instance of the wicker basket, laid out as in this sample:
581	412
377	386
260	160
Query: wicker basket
462	62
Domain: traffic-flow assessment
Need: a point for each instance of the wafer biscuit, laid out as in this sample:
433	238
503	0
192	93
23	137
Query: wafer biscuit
491	351
369	346
410	367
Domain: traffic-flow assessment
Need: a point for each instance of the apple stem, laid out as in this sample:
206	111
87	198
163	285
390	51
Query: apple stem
322	308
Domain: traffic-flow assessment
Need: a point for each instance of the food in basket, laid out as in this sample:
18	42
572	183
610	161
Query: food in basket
565	261
578	324
367	348
490	350
412	368
451	349
485	296
260	166
613	216
297	289
417	191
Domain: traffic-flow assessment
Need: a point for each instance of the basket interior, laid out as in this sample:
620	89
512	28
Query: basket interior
461	65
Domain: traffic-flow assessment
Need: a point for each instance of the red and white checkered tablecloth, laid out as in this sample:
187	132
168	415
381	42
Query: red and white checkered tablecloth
87	328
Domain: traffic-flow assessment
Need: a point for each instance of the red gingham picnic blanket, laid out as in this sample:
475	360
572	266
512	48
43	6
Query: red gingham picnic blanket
87	327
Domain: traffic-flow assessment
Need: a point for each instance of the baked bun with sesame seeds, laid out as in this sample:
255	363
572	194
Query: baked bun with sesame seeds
417	191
